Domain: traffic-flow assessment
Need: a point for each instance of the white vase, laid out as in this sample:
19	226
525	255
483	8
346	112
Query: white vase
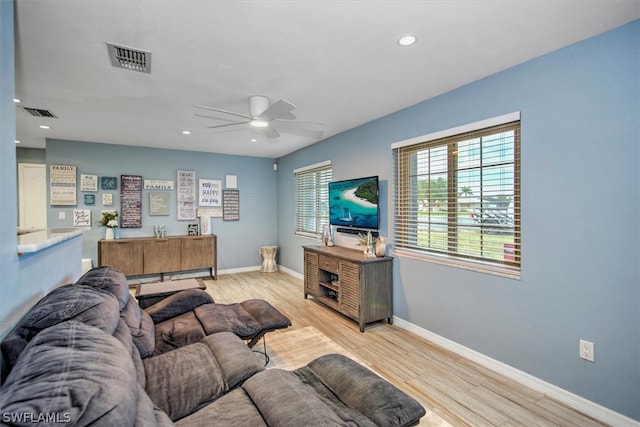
108	235
381	247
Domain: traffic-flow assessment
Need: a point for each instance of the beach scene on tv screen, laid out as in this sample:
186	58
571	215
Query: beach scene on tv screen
354	203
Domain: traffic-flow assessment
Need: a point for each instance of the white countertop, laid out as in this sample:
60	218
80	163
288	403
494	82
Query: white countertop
35	241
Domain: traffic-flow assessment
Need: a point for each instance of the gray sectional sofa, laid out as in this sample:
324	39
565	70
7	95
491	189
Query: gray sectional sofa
85	355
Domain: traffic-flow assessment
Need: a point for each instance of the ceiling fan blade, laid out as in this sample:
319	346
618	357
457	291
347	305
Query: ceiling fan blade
227	124
222	111
226	130
269	132
308	129
280	110
214	118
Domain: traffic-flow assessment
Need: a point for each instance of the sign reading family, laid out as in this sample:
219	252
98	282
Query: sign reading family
62	185
157	184
210	192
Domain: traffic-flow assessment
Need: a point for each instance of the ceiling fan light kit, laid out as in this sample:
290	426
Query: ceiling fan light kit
259	123
263	116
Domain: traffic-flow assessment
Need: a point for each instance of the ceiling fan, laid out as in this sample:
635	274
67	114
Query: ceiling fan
264	116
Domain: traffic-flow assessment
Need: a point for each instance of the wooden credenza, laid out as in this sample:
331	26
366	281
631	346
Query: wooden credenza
358	286
150	255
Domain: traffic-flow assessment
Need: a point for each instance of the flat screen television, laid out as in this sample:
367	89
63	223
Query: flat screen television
354	203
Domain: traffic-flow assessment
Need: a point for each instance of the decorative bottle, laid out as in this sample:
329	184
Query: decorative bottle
381	247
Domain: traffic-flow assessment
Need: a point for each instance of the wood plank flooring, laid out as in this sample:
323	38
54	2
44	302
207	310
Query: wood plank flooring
460	391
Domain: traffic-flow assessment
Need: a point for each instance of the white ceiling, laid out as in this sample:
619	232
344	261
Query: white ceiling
337	61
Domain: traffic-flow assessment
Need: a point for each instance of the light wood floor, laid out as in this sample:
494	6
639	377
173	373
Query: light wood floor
460	391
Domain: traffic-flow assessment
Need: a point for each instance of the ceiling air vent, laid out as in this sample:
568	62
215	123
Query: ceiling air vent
130	58
38	112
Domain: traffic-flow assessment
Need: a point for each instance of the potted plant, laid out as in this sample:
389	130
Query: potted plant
109	219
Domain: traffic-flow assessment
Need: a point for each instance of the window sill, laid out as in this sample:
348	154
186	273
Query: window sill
477	266
307	235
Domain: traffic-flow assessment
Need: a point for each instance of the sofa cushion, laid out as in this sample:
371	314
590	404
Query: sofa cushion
265	314
227	317
177	304
237	361
149	415
88	305
233	409
108	279
74	373
180	381
141	327
177	332
361	389
284	400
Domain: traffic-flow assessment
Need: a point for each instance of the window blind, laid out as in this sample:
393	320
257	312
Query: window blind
311	198
458	198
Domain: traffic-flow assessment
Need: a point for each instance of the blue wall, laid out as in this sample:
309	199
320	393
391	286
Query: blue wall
580	210
238	241
11	291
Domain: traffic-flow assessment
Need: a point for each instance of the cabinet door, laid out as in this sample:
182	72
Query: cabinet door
161	255
197	252
349	301
311	273
125	255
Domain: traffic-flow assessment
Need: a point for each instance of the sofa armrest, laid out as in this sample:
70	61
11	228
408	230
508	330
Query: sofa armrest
368	393
177	304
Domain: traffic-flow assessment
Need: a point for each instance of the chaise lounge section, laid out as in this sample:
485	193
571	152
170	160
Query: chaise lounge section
190	315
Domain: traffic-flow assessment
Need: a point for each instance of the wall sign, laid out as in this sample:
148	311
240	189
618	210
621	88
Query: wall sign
82	217
230	205
159	203
210	192
156	184
186	195
130	201
88	182
108	182
62	186
107	199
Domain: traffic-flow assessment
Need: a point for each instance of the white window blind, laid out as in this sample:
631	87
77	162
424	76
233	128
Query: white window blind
457	199
311	198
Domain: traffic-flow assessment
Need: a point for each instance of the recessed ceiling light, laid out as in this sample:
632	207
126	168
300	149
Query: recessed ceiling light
16	100
254	140
45	127
186	132
407	40
17	142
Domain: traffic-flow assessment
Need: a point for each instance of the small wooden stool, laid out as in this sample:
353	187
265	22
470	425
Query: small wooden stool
269	259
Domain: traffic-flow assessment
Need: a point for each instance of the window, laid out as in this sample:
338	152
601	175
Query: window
457	196
311	198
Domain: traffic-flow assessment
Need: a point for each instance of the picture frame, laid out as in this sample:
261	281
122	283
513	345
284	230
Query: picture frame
108	182
192	229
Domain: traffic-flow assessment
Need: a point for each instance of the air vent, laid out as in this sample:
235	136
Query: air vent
130	58
38	112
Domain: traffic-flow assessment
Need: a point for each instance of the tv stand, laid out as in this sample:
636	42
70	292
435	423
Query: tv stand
358	286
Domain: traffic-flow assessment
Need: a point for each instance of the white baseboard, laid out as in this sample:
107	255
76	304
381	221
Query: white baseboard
240	269
291	272
581	404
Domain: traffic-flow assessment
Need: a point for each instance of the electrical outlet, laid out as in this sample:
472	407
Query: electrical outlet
586	350
61	216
